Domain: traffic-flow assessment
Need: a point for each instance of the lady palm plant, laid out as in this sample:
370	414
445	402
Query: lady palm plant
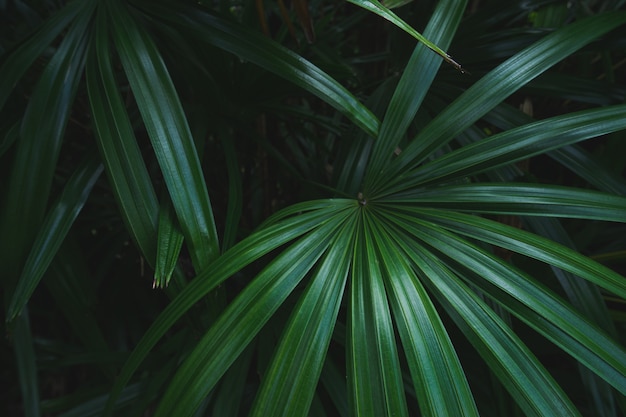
378	297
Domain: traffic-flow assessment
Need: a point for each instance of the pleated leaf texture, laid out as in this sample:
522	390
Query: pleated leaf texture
408	262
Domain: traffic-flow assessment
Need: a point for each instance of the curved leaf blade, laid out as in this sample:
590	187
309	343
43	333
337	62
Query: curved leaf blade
291	380
374	373
26	366
169	244
242	320
582	164
526	298
16	64
169	133
376	7
517	144
280	229
528	382
126	170
528	244
52	232
521	199
39	145
504	80
412	88
438	378
249	45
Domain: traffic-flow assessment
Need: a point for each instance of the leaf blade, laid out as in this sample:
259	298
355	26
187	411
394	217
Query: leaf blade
375	377
169	132
242	320
53	231
503	81
288	391
247	43
517	144
520	199
438	378
415	82
526	298
278	230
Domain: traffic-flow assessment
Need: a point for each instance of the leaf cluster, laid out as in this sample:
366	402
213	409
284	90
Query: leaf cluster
338	219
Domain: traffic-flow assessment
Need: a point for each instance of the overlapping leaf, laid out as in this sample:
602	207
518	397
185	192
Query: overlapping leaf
169	132
498	85
245	316
278	230
250	46
391	263
53	231
123	160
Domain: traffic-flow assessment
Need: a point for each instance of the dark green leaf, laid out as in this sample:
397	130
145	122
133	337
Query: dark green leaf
517	144
122	158
26	366
278	230
530	385
521	199
438	378
252	46
501	82
526	298
414	84
243	319
374	373
170	242
39	144
290	382
169	132
18	62
53	231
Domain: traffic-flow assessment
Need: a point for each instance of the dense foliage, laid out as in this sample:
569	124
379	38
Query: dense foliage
244	208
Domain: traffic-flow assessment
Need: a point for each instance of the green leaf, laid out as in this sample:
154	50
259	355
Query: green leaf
25	361
169	133
127	173
334	382
18	62
415	82
170	242
374	373
252	46
376	7
582	164
520	199
76	298
528	382
439	380
586	298
501	82
235	193
573	157
290	382
583	295
52	232
392	4
517	144
277	231
243	319
523	296
528	244
230	394
38	147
